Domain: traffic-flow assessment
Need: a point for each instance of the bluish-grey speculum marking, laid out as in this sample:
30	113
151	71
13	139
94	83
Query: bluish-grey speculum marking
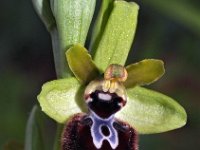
96	130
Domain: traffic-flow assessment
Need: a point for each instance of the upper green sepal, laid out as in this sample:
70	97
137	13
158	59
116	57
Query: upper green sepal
117	38
100	23
152	112
144	72
81	64
60	99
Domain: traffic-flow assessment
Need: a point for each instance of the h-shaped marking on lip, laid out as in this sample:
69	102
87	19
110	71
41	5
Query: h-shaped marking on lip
96	132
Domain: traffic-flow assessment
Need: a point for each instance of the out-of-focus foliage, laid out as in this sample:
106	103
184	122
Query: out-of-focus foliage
13	145
166	30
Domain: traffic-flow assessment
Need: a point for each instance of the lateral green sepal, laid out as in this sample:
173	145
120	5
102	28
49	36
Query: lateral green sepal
144	72
60	99
81	64
152	112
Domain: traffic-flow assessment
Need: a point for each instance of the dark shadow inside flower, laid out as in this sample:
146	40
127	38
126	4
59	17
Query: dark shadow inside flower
104	104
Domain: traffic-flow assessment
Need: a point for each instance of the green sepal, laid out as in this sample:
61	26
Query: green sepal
152	112
35	130
60	99
144	72
100	24
43	9
73	18
118	35
81	64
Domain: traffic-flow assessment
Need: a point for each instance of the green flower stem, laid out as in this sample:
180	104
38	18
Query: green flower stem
62	69
35	130
57	144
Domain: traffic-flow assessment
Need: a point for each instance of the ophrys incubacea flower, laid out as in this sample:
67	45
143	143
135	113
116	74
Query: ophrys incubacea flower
94	100
101	97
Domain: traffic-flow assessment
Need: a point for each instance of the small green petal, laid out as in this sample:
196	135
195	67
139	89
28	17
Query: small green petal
144	72
118	35
152	112
81	64
60	99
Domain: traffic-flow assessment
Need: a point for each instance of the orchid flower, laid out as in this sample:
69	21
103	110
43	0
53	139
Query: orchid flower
147	111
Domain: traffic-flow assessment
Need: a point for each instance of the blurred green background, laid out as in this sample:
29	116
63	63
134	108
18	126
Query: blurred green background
167	30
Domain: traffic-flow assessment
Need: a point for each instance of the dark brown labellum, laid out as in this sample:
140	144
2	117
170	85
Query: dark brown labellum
77	135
